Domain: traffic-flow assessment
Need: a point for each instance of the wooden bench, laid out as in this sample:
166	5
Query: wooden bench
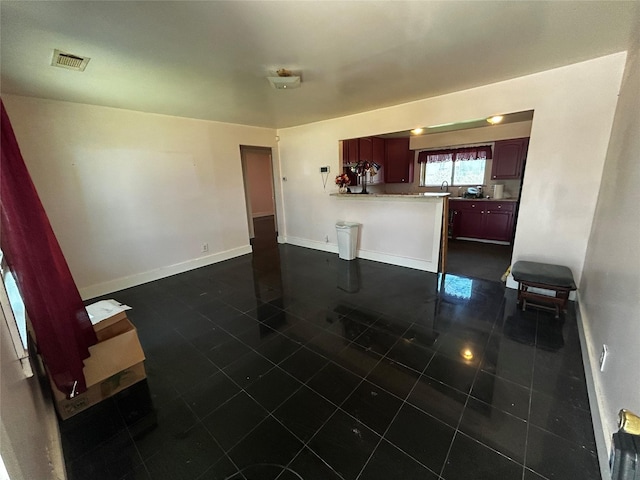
556	278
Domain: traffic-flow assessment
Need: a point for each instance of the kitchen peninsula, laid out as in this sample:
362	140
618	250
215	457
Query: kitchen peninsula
401	229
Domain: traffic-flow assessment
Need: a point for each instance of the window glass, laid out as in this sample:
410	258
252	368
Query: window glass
469	172
462	172
435	173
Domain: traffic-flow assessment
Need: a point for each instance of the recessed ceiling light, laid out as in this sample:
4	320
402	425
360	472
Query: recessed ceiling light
417	131
495	119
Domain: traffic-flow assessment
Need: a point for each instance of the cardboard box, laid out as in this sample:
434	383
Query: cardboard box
116	362
106	316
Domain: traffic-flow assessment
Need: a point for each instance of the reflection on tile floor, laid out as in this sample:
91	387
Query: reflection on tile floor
293	364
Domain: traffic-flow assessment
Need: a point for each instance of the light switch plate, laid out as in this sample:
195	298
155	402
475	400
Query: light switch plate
603	357
324	169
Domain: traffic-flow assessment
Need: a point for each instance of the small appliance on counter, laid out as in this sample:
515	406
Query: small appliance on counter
473	192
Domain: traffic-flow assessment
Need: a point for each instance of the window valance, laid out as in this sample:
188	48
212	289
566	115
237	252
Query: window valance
455	154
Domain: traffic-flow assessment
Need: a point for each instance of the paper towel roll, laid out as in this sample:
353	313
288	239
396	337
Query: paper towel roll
498	191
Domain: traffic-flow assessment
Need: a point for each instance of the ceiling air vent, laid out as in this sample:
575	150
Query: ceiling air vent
69	60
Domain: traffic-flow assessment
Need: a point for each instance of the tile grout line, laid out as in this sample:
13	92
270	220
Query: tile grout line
404	401
338	406
533	370
464	408
303	384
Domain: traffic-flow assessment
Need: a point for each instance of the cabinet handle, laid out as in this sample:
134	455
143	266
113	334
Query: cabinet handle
482	211
473	205
488	211
499	206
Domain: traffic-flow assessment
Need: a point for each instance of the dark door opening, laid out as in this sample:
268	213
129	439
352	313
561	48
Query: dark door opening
257	169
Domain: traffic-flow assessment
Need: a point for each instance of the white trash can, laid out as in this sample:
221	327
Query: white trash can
347	239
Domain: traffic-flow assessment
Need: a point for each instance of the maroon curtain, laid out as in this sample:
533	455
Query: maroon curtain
454	154
60	322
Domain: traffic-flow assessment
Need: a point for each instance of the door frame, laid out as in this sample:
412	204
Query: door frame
247	185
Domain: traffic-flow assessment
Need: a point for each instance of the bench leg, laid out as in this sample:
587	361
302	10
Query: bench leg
559	300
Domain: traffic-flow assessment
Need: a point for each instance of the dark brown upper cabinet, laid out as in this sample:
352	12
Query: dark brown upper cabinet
350	150
508	158
398	166
365	146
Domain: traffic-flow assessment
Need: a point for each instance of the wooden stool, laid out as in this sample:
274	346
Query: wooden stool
546	276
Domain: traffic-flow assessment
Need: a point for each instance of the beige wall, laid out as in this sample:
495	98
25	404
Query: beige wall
555	217
609	293
29	437
133	196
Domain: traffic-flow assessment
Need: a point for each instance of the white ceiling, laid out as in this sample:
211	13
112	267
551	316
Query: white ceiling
210	59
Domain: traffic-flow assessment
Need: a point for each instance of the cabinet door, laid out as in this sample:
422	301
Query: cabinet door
498	225
508	158
365	147
455	218
398	167
378	150
471	221
350	150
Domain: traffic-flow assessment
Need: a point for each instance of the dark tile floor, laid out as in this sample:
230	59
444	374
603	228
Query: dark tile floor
292	364
478	259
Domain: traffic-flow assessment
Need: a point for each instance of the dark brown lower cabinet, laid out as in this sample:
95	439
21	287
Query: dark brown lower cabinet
483	219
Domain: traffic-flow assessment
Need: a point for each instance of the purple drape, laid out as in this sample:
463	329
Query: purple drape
52	301
454	154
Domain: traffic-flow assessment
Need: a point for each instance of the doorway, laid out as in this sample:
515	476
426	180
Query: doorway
478	260
257	171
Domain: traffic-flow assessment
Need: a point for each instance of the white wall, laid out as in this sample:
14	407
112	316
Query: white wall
610	288
132	196
574	108
29	436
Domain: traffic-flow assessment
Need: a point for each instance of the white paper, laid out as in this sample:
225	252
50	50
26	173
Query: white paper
104	309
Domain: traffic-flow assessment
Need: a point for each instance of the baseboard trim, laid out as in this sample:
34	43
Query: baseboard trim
303	242
590	360
162	272
261	214
481	240
365	254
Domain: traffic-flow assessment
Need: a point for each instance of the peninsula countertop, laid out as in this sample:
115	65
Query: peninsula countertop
484	199
422	195
425	195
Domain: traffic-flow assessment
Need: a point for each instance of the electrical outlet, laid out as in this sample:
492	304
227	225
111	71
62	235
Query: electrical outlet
603	356
204	248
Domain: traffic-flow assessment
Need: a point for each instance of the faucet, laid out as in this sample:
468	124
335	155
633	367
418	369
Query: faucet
442	187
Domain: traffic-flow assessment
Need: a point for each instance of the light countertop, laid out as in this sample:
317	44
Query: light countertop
423	195
484	199
426	195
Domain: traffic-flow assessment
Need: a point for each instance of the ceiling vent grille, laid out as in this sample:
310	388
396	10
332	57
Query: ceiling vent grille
69	61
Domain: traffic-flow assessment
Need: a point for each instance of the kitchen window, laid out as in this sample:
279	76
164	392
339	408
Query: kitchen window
459	166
